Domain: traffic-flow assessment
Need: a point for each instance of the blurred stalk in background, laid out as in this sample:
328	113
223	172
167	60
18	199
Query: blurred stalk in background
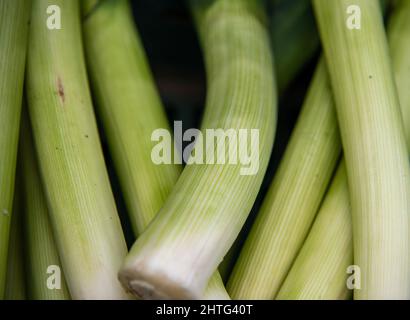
14	17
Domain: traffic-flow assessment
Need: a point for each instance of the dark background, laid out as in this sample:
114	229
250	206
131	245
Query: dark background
170	42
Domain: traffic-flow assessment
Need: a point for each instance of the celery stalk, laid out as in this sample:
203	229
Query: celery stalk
131	110
15	281
14	16
374	145
129	106
326	243
320	269
183	245
399	35
293	198
40	248
83	215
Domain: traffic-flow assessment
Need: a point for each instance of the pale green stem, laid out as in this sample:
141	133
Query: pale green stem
129	107
320	269
15	281
295	41
317	271
14	17
374	145
83	215
177	254
131	110
399	41
45	277
292	199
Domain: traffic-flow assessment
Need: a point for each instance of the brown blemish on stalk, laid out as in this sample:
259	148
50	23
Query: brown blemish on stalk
60	89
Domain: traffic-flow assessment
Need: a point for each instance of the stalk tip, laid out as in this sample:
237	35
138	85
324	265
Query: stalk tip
154	285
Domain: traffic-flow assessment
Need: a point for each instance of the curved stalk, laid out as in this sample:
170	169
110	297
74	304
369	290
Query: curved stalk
84	218
186	241
40	248
14	17
295	40
131	110
215	289
374	145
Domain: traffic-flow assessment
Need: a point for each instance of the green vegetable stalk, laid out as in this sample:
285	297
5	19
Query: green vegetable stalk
15	281
40	247
14	16
295	41
183	245
83	215
130	109
293	198
374	144
399	41
320	270
129	106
